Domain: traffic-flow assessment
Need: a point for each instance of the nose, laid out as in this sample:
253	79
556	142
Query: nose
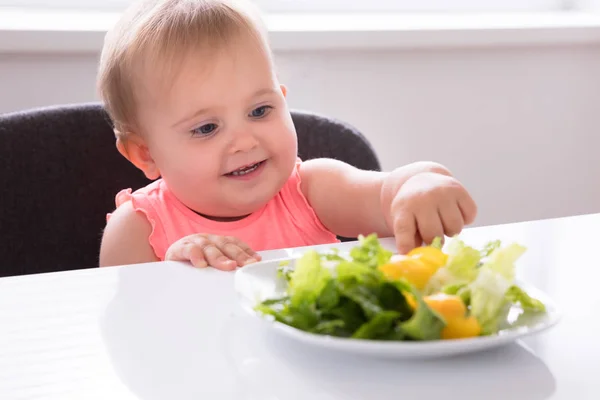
243	141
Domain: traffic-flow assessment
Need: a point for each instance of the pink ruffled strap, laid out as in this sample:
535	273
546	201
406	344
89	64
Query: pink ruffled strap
123	196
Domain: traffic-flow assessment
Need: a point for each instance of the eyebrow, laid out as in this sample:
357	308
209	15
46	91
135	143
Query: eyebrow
189	117
262	92
258	93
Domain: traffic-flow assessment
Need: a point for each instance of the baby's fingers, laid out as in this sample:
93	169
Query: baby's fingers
429	225
255	256
405	232
236	253
236	250
452	218
217	258
468	208
188	249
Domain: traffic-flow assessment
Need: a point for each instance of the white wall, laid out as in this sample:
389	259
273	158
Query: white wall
519	126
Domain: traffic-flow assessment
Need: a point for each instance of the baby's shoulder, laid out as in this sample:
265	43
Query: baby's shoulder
127	215
125	237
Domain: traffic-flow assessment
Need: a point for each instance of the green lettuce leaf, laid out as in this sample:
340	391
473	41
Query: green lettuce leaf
370	252
487	298
329	297
489	247
461	290
304	316
489	293
349	312
502	260
363	296
453	288
425	323
437	243
516	295
380	325
359	272
461	267
392	298
329	327
285	270
308	279
332	255
463	260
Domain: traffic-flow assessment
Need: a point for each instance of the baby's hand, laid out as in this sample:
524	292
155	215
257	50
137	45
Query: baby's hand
222	252
429	205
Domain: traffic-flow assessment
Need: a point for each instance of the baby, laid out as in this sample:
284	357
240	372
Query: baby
196	105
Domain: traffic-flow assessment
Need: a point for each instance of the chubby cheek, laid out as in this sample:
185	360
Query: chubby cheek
290	149
189	167
284	142
200	167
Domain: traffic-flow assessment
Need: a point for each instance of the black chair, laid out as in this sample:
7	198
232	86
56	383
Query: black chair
60	171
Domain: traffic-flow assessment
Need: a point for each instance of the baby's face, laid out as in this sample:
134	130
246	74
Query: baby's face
221	136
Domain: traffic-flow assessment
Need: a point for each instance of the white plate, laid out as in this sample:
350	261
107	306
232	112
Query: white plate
257	282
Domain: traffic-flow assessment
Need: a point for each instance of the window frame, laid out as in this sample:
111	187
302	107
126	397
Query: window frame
284	6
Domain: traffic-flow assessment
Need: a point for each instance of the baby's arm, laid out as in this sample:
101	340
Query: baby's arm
125	239
346	199
414	203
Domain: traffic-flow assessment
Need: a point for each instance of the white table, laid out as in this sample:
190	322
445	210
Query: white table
168	331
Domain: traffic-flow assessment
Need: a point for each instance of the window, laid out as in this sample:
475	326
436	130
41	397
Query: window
344	5
411	5
72	4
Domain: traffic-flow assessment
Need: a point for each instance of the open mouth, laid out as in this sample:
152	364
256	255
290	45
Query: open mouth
246	169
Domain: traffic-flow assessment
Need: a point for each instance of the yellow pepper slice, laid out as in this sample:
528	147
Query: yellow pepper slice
453	310
430	255
460	328
446	305
414	270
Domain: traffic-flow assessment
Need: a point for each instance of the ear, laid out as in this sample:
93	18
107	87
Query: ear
134	148
283	90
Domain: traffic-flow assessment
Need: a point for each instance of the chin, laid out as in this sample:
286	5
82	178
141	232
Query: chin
250	205
253	202
256	197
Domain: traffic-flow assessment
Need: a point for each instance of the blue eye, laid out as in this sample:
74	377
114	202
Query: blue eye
260	111
204	130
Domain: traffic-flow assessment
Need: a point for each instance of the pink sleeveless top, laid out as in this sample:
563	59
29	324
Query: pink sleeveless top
285	221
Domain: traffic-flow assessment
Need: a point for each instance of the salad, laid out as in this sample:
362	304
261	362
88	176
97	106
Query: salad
429	294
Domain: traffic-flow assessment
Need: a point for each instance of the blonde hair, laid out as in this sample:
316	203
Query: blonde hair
160	33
